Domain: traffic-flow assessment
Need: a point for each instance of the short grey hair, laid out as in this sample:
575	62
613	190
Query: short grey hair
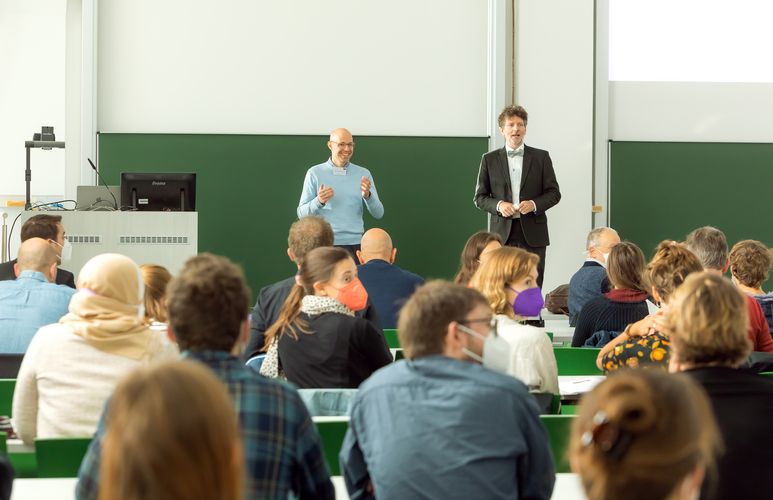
710	245
595	235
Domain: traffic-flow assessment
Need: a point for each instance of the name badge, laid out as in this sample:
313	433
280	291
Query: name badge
339	171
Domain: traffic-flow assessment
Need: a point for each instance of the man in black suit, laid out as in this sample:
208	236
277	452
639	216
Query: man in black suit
305	235
518	215
48	227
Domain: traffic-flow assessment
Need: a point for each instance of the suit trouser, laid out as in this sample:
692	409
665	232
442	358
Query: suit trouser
517	239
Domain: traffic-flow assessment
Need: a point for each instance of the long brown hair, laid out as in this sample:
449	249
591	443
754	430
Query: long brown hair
171	435
317	265
626	267
156	278
640	433
469	261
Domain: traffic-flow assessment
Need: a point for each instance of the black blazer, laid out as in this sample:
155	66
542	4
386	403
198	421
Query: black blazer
62	277
538	183
270	301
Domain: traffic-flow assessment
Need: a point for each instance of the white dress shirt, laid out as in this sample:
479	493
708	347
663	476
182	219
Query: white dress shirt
515	169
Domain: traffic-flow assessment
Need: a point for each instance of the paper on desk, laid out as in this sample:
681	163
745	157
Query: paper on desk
578	385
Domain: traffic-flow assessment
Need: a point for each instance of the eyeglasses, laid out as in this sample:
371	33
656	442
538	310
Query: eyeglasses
492	322
344	144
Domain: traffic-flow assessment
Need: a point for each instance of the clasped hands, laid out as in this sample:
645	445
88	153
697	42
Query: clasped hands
507	209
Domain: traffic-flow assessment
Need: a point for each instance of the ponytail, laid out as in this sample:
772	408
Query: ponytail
288	318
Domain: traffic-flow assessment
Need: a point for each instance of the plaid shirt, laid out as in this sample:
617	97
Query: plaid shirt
282	449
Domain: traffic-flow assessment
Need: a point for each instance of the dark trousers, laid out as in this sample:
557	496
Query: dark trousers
516	239
352	249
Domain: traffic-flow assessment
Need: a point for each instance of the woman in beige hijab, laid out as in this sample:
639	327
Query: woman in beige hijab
72	367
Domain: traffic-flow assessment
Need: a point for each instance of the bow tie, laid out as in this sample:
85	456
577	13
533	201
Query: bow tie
514	153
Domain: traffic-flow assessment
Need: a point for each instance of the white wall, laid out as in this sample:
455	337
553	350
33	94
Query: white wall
296	67
691	111
32	58
554	82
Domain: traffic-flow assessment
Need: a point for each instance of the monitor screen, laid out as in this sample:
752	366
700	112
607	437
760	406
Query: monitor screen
158	192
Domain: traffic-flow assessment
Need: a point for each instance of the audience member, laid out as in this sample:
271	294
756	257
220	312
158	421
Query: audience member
155	278
32	300
508	281
73	366
47	227
440	425
591	280
626	303
318	342
305	235
710	245
388	285
475	252
750	263
172	435
644	435
6	477
337	191
642	343
707	323
208	305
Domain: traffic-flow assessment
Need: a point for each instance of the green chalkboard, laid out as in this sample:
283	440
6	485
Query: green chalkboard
248	188
663	190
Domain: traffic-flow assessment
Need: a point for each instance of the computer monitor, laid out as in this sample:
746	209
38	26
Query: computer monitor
158	192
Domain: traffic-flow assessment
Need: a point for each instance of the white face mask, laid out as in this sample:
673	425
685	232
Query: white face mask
496	350
606	257
66	254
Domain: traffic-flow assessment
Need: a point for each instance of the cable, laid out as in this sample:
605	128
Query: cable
35	206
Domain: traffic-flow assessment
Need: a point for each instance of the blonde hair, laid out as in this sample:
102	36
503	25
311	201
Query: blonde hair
707	322
156	279
504	265
171	435
639	433
670	266
750	262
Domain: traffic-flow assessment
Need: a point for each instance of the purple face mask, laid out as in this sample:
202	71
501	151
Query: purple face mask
528	303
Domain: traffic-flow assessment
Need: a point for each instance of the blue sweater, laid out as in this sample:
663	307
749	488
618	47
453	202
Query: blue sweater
344	210
589	282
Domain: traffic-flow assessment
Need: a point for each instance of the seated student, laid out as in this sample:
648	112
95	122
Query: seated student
710	245
644	435
32	300
208	304
156	278
626	303
173	435
750	263
508	280
707	324
306	234
475	252
440	425
642	343
388	286
72	367
47	227
591	280
319	341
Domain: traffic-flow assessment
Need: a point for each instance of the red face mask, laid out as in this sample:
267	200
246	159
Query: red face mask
353	295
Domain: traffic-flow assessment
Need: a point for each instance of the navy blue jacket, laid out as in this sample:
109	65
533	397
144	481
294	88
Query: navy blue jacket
389	287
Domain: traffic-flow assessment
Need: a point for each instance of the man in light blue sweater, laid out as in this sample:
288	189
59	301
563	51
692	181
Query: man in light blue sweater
337	190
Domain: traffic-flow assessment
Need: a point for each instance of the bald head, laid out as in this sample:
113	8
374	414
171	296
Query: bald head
37	254
341	145
376	244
